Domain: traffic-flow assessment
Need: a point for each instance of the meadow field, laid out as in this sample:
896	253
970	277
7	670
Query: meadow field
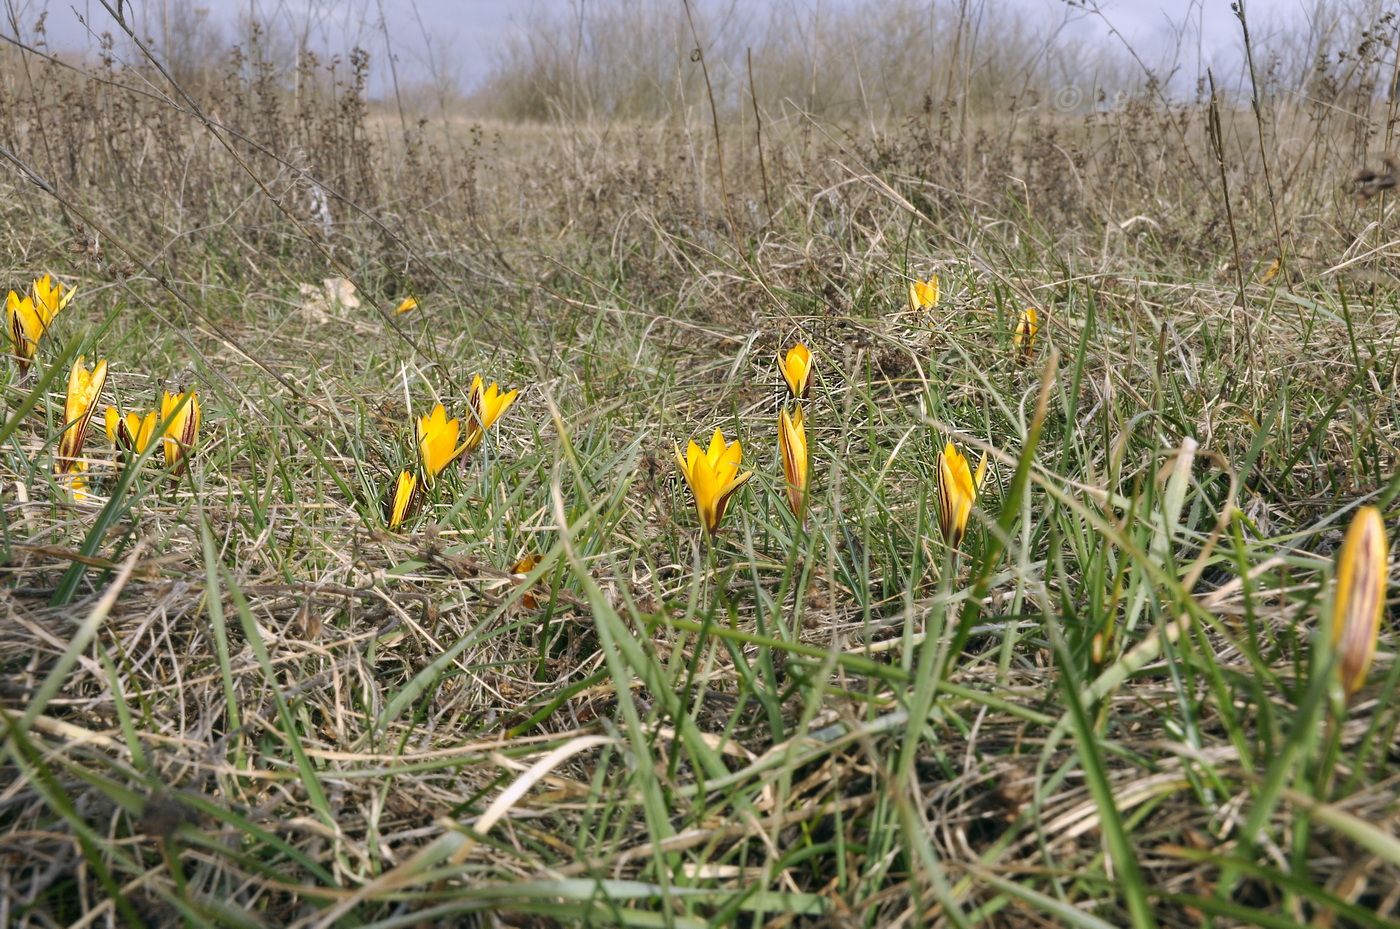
1048	587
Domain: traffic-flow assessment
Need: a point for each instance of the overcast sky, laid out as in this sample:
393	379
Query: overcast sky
459	37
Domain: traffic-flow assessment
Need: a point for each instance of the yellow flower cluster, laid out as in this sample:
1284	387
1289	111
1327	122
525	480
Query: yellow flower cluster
924	295
29	318
792	427
440	441
175	424
713	474
958	484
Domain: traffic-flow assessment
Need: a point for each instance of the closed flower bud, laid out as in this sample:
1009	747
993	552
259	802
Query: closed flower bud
1362	566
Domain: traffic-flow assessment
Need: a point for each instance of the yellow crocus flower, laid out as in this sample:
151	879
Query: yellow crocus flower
957	491
923	295
437	441
29	316
408	495
131	431
713	476
409	303
797	371
181	418
1362	566
50	296
792	445
1024	339
487	405
84	389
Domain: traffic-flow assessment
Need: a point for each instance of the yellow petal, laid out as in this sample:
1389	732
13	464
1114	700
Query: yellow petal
717	448
681	462
111	419
693	455
405	499
494	404
728	463
722	497
487	405
145	429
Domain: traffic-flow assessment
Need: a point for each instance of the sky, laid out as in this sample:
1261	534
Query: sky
460	37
